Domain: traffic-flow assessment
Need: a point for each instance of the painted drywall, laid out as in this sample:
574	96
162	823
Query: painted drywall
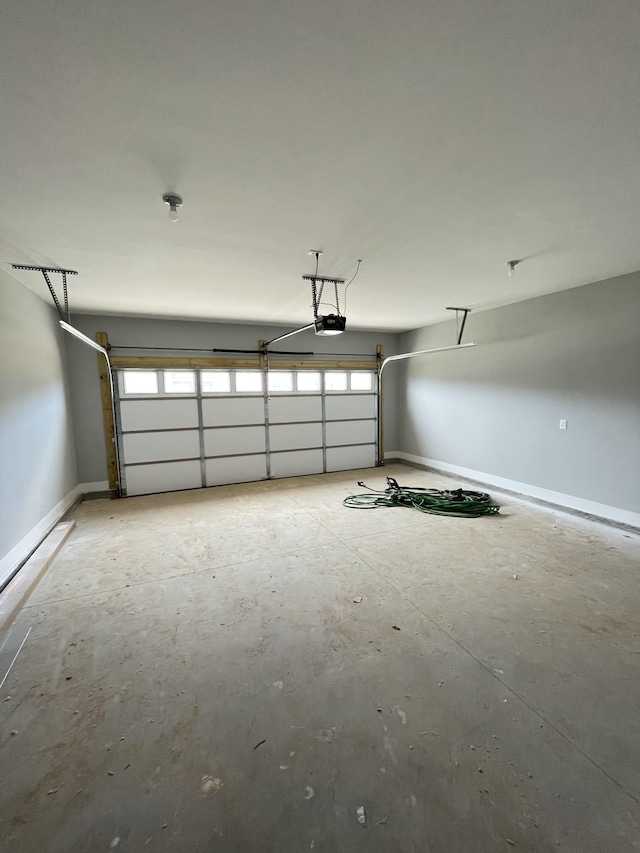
38	467
140	332
495	409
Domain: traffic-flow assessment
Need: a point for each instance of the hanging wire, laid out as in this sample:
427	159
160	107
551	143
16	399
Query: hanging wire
330	304
349	282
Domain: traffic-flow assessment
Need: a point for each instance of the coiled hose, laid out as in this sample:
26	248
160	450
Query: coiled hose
456	502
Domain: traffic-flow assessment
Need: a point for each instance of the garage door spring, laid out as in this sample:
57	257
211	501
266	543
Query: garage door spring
457	502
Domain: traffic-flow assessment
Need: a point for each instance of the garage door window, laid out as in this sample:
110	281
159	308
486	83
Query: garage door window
215	381
248	382
140	382
308	380
361	381
334	381
280	380
179	382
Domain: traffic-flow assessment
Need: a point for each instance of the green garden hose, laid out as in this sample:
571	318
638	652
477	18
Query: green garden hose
456	502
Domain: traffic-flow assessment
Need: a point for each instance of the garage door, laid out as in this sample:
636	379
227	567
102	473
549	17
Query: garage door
187	429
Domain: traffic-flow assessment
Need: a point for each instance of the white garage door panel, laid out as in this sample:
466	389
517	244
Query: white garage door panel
297	463
239	469
351	432
163	477
229	411
287	409
157	446
158	414
294	436
170	442
229	440
345	458
347	407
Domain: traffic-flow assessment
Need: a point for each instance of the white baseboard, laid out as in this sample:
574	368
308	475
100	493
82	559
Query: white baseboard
27	545
610	513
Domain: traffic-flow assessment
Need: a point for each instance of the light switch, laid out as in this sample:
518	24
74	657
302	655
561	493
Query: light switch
563	424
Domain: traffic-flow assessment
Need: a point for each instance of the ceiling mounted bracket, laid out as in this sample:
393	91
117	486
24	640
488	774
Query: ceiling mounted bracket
317	286
326	324
323	324
460	328
64	315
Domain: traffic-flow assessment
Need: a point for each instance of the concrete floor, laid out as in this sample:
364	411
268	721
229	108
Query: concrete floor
199	678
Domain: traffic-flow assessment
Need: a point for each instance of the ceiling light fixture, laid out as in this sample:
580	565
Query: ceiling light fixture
174	201
511	267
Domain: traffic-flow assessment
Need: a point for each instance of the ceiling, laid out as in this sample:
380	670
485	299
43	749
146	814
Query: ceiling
435	140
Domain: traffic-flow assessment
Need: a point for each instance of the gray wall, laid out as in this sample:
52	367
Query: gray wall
37	458
132	331
496	408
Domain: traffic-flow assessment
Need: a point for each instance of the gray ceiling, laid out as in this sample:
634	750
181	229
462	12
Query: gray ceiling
436	140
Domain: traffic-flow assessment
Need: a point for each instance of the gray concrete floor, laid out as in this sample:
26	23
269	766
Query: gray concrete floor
199	678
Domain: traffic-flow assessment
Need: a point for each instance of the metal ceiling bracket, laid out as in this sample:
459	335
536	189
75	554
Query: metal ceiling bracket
64	315
329	324
317	286
460	329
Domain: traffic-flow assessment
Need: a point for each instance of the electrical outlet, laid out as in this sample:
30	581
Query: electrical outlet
563	424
